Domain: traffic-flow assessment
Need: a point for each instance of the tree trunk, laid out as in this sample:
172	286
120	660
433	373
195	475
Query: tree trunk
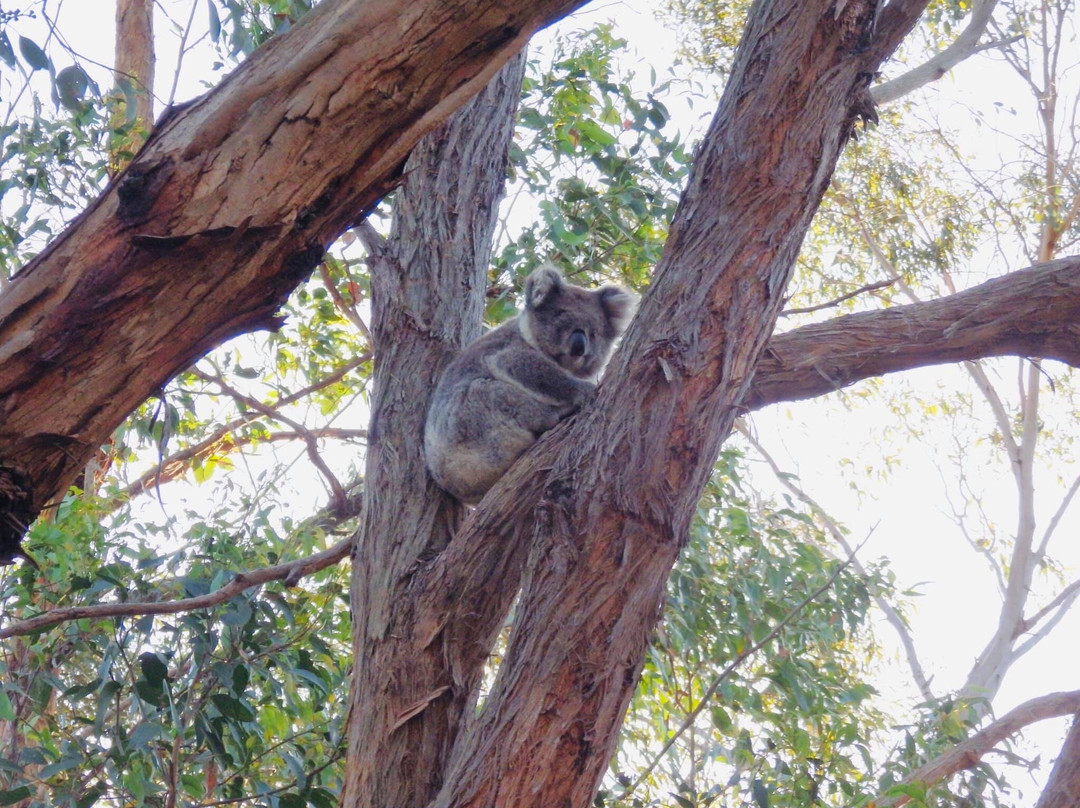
603	504
1063	787
429	279
228	206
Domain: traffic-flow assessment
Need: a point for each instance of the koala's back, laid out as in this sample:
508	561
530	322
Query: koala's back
468	436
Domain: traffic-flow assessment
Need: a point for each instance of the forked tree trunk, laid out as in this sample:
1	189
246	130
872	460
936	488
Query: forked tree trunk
602	506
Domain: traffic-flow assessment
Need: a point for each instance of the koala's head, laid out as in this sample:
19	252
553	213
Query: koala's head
575	327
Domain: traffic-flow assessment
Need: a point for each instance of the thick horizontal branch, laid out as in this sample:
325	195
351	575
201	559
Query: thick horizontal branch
290	572
1033	312
968	753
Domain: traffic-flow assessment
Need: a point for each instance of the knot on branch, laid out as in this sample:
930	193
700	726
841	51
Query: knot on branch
139	187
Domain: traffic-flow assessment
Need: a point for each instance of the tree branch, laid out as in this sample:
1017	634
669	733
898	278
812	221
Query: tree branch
1032	312
1058	514
1063	784
966	44
227	207
290	572
221	442
967	754
870	287
1061	601
336	489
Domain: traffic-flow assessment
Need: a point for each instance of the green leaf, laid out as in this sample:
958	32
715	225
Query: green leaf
91	796
71	85
720	718
14	795
150	694
34	56
154	671
7	713
144	733
232	708
596	133
240	678
215	21
760	794
291	800
7	53
105	697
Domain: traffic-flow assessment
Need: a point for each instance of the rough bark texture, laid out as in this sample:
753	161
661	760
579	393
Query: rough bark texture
1034	312
409	692
602	504
1063	787
227	207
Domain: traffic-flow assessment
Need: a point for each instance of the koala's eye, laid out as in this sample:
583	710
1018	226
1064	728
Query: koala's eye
578	343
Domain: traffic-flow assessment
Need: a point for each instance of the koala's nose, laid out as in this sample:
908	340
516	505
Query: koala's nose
578	343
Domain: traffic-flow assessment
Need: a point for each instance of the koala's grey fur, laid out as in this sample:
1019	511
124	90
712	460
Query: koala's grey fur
516	382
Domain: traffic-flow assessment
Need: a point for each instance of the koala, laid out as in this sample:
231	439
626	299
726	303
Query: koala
516	382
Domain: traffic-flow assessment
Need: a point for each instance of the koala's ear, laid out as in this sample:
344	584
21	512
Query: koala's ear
619	305
542	285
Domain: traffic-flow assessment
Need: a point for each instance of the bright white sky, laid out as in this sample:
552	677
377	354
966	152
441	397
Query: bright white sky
907	516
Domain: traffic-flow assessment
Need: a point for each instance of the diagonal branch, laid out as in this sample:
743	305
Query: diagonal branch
968	753
965	45
896	620
309	437
178	463
731	667
229	205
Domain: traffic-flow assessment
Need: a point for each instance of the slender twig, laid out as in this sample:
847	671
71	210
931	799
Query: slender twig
181	52
348	310
1056	518
735	663
374	241
290	572
896	620
870	287
221	442
336	489
1067	594
293	784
